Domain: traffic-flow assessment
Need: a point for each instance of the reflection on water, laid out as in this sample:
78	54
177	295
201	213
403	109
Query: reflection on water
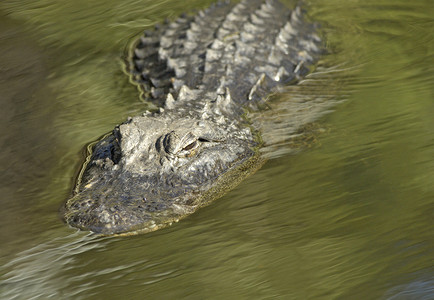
39	271
289	124
343	208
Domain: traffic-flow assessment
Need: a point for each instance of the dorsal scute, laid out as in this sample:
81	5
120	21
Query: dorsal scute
227	46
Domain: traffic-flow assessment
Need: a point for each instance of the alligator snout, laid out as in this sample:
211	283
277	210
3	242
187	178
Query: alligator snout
108	215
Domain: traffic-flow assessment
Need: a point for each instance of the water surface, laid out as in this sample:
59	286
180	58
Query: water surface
344	211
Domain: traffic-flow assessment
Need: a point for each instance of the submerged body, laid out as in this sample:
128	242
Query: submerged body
203	70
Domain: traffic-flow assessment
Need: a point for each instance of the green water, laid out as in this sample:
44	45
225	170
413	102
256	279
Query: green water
348	215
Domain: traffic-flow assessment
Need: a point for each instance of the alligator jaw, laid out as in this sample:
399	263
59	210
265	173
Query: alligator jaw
107	213
156	169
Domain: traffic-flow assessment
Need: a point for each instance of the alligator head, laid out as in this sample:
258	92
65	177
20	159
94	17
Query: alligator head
157	168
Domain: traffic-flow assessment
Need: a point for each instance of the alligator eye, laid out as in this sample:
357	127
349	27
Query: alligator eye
190	146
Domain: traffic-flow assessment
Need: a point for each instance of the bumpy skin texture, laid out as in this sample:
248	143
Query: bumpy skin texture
204	69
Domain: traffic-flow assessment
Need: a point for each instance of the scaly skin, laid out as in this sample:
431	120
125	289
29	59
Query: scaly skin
206	69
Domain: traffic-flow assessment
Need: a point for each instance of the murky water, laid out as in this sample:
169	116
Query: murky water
349	214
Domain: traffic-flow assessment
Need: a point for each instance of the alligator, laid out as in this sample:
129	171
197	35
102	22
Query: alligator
204	71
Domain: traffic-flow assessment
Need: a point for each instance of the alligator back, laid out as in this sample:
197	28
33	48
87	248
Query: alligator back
248	48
